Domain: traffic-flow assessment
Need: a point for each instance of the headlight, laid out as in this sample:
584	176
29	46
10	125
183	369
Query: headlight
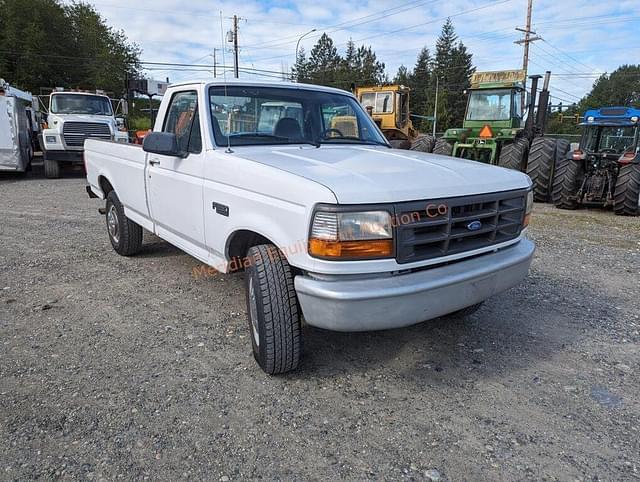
51	139
528	209
351	235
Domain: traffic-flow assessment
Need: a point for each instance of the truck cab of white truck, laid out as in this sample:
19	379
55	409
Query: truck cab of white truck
333	229
74	117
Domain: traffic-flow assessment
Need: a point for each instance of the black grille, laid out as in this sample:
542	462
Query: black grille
75	133
426	230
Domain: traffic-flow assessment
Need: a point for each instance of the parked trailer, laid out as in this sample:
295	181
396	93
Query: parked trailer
17	123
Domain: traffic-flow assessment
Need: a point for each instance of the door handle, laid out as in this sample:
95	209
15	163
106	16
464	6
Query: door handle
154	162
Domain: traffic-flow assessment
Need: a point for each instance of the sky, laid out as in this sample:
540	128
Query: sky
580	38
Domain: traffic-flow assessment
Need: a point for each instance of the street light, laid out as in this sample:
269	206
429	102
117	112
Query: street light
298	43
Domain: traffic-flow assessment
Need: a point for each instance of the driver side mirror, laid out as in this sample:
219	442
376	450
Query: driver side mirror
163	143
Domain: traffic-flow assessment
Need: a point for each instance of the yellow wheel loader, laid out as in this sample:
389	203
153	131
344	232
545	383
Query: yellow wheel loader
388	105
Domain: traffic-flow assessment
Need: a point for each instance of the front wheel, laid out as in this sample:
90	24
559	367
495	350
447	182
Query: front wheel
627	192
51	168
124	234
272	305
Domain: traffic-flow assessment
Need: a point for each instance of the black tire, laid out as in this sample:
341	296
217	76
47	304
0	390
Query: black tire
540	167
514	155
566	183
124	234
464	312
443	147
627	193
51	168
400	144
273	312
423	143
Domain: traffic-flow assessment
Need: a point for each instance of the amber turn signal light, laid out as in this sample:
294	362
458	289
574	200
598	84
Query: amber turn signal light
379	248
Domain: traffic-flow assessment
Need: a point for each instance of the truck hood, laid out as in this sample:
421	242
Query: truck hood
103	119
371	174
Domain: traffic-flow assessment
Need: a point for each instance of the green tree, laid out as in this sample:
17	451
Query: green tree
324	62
48	44
403	76
453	67
300	71
621	87
421	89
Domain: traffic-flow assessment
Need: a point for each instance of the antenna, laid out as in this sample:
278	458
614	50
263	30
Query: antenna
224	75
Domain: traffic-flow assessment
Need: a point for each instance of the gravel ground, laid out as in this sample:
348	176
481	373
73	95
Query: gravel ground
117	367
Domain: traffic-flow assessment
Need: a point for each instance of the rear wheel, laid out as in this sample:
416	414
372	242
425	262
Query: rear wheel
272	305
514	155
51	168
423	143
124	234
627	193
566	183
540	167
443	147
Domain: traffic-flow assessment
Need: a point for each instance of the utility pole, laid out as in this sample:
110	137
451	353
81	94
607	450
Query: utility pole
215	74
235	47
435	107
526	41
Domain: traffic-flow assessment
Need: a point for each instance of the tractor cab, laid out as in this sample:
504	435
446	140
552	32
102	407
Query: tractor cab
493	119
389	107
609	134
494	108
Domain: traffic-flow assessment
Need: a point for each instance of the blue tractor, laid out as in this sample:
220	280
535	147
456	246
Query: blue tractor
605	169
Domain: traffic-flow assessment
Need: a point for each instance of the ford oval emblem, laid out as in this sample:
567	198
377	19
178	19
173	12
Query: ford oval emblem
474	225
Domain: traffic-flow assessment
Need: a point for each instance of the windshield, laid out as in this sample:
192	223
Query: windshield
490	105
273	115
80	104
381	102
617	139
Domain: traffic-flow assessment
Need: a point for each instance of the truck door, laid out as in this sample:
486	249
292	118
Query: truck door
175	184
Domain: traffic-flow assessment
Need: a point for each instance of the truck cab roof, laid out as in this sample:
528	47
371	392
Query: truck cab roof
257	83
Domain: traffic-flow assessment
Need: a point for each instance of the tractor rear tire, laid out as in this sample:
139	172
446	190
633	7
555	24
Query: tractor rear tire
514	155
566	182
400	144
443	147
626	200
540	167
423	143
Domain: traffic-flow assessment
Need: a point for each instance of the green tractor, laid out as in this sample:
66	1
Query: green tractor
495	130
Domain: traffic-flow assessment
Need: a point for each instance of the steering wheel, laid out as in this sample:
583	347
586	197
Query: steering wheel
608	149
324	133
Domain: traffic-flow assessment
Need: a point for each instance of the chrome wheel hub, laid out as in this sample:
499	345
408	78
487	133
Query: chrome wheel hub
253	312
112	224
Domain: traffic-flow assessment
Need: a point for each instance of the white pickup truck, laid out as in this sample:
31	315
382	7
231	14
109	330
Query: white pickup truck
330	227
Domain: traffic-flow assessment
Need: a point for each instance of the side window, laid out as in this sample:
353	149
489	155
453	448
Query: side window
195	139
182	120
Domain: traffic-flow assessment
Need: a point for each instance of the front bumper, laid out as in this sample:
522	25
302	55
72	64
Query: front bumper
366	304
64	156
